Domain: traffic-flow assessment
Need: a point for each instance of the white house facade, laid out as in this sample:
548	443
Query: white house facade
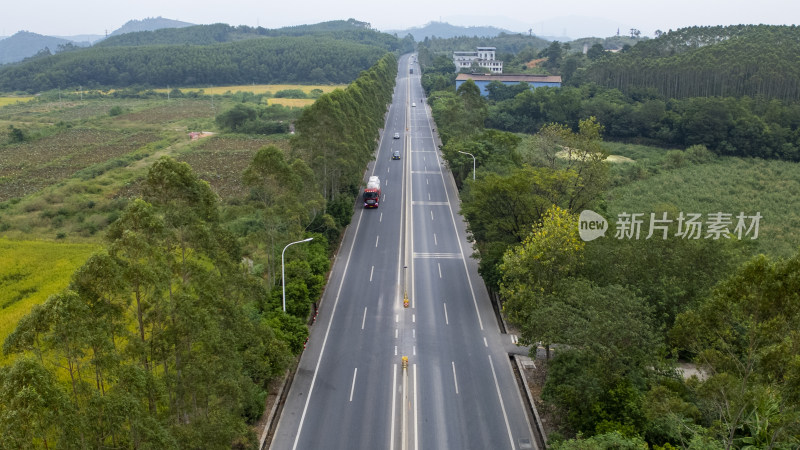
483	57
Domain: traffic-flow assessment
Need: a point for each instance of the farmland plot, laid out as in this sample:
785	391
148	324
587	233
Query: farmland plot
28	167
171	111
221	160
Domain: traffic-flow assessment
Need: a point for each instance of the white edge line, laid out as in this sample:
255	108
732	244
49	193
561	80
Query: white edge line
502	405
416	417
394	398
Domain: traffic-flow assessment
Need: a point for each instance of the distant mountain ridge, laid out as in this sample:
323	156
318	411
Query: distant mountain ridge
446	30
25	44
149	24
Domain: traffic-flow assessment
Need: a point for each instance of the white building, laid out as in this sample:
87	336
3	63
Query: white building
484	57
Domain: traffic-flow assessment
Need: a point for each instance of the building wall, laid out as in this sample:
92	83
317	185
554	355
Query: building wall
483	84
484	57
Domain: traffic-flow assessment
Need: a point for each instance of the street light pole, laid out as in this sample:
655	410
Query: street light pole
473	163
283	269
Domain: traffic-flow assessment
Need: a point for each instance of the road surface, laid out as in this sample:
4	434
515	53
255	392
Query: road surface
457	389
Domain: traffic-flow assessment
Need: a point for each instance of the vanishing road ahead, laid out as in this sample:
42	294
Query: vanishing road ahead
458	391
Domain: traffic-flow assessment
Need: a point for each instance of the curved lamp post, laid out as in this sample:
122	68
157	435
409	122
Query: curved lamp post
283	269
473	163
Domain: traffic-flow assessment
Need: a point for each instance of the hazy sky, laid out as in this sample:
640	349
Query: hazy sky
74	17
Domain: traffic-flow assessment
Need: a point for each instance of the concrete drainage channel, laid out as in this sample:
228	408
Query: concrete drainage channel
520	364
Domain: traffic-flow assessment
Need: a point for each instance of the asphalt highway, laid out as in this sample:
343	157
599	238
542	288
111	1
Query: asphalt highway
456	389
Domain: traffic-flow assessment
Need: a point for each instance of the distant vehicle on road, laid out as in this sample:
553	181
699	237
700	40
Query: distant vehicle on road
397	135
413	105
396	154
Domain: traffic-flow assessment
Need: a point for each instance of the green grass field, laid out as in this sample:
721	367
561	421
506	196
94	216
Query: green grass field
728	185
31	271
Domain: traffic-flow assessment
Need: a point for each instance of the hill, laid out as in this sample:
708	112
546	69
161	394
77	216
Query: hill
741	60
445	30
351	30
305	59
25	44
149	24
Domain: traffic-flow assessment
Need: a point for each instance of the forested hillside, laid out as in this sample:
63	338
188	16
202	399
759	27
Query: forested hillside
265	61
330	52
505	43
752	60
350	30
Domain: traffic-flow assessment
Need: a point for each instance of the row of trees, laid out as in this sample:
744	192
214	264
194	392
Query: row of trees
619	312
305	59
155	343
310	189
337	134
743	60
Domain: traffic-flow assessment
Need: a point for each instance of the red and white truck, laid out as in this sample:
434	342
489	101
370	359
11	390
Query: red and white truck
372	194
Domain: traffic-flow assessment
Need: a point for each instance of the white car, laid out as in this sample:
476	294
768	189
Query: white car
413	105
397	135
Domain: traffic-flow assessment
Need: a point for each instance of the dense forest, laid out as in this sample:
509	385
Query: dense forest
297	60
615	315
339	30
742	126
203	55
752	60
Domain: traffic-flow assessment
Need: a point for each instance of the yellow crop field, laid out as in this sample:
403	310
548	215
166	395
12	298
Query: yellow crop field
293	102
12	100
259	88
31	271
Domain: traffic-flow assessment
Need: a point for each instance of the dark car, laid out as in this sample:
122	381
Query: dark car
396	154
